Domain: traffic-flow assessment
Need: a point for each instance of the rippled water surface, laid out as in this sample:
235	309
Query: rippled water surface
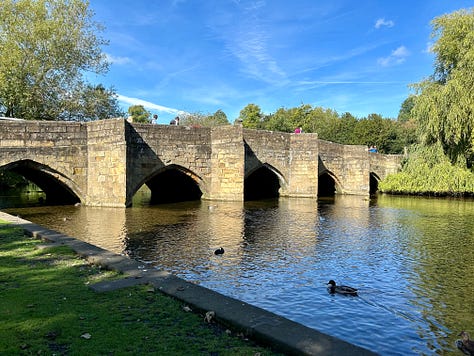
412	260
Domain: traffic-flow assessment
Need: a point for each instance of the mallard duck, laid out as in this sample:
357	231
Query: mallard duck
333	288
465	344
219	251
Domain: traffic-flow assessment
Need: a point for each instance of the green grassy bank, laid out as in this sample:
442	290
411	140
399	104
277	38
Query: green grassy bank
47	308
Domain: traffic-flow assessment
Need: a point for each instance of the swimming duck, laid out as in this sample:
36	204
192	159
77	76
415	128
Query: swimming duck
219	251
341	289
465	344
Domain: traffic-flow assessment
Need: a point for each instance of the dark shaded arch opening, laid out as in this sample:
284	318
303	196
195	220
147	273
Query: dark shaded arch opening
261	184
172	186
57	193
374	183
326	185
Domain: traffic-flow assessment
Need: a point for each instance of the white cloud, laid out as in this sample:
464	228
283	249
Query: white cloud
117	60
149	105
382	22
398	56
249	39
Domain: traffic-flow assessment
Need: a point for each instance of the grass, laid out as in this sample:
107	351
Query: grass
47	308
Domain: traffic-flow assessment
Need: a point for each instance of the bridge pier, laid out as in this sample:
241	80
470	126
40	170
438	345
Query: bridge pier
106	163
227	164
302	166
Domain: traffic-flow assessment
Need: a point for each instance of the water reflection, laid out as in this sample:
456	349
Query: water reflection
411	258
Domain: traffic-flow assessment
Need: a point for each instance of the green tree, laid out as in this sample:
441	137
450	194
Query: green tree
219	118
139	114
444	105
282	120
46	46
345	129
429	171
324	122
251	116
91	102
405	114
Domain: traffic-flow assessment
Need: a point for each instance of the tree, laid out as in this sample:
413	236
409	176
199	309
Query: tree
251	116
219	118
45	48
139	114
444	105
281	120
405	114
91	102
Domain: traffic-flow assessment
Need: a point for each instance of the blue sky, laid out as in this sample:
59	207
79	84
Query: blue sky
175	56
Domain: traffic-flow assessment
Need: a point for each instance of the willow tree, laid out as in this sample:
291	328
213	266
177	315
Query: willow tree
46	46
444	105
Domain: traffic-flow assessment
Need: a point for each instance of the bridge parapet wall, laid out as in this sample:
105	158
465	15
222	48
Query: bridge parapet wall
42	134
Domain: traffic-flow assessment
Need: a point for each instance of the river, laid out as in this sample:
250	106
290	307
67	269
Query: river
411	258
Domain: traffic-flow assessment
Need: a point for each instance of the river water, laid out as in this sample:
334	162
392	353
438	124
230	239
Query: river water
412	259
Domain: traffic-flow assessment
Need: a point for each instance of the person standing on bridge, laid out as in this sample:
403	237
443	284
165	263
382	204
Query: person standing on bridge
175	121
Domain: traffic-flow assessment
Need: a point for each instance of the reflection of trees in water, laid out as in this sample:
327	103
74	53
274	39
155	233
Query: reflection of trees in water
442	248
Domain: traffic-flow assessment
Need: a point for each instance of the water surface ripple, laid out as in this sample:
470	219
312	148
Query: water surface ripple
412	260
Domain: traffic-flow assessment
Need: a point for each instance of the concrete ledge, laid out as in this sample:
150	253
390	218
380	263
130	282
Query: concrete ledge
281	334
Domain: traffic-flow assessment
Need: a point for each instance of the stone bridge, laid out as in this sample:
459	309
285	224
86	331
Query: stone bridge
104	163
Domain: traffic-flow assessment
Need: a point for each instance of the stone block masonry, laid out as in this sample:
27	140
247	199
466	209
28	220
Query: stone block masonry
104	163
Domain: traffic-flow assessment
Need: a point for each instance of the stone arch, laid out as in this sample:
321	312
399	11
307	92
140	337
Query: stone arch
59	188
328	184
172	183
263	182
374	183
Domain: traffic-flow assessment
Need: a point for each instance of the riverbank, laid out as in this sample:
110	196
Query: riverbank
266	328
47	307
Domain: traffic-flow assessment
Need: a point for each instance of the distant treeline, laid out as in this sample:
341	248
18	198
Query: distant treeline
389	135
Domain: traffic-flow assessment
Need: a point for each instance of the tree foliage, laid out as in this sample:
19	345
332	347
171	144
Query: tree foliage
45	48
251	116
91	102
429	171
405	114
444	105
390	136
219	118
139	114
